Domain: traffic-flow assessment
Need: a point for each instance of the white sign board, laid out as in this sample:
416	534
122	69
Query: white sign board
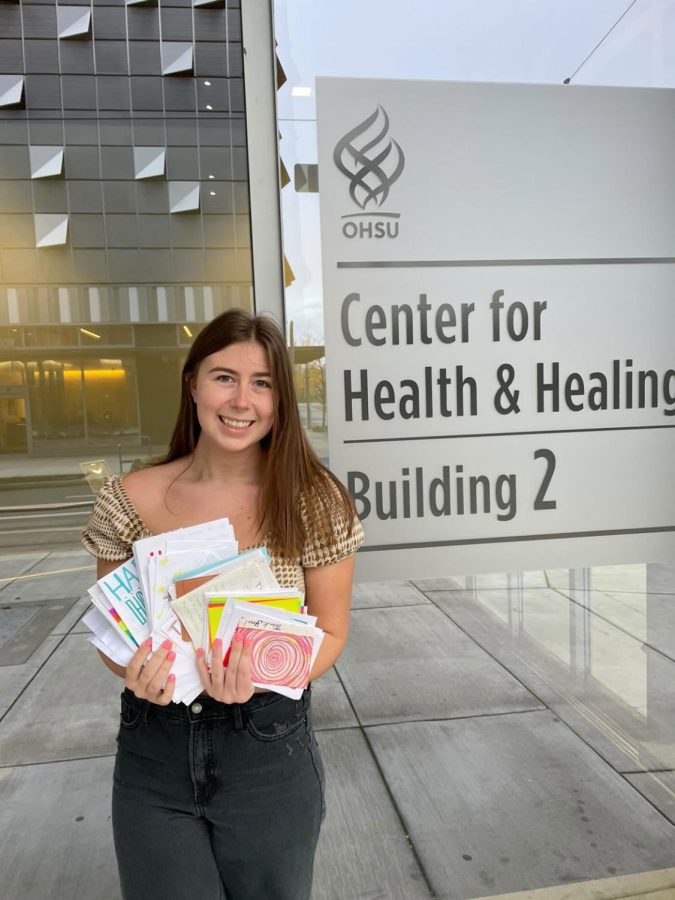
499	302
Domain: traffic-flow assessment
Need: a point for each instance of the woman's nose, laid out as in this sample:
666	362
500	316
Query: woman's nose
240	397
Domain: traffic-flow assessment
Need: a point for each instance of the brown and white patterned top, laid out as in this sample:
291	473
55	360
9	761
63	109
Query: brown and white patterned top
114	525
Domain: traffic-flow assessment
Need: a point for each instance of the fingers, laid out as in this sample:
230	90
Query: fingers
137	662
150	679
167	692
217	670
232	684
238	685
203	670
244	685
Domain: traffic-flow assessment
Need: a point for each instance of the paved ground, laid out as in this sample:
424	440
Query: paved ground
481	736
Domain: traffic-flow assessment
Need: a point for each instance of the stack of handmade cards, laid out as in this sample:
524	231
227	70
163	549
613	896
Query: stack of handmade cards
250	571
132	602
120	618
284	644
191	586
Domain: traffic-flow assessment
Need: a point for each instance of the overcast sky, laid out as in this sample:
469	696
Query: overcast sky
530	41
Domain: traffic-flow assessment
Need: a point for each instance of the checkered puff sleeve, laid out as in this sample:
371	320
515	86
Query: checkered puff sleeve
113	524
327	545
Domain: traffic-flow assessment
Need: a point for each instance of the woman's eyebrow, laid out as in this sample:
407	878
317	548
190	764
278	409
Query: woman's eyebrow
234	372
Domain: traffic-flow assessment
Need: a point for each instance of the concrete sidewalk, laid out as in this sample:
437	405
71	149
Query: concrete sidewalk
458	764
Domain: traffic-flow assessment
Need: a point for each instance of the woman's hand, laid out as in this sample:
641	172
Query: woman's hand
150	679
232	684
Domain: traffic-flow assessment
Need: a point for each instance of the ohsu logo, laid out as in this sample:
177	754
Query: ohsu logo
373	162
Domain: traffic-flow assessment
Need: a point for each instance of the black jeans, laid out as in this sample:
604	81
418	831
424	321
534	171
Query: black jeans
217	801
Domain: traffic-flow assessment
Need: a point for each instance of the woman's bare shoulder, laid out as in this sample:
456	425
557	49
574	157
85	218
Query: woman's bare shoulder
145	484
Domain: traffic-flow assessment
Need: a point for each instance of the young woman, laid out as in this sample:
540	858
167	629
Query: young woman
224	798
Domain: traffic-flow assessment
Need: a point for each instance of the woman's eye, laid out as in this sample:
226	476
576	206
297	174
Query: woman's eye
262	384
226	379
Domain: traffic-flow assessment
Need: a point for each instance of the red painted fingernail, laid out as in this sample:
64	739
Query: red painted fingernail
171	678
147	642
167	644
171	656
217	642
200	652
237	636
248	640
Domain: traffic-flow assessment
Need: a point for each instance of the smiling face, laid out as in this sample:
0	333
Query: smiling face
234	396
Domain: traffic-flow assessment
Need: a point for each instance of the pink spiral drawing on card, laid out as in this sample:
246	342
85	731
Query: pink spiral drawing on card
279	658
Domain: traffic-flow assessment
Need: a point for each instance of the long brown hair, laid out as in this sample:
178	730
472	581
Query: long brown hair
293	477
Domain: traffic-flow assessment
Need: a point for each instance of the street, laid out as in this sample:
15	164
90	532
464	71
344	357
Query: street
48	513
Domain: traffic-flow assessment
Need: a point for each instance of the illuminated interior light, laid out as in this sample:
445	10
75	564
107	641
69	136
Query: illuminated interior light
299	91
211	177
208	106
90	334
96	374
213	193
187	331
207	83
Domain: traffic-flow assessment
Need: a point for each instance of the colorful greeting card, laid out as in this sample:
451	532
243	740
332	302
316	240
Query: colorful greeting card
279	658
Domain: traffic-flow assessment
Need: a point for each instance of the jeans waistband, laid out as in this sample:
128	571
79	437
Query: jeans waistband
206	708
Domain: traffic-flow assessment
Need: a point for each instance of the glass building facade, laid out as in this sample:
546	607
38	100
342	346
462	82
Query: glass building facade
124	213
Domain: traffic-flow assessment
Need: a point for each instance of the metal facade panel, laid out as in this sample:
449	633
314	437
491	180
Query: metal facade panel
188	265
219	231
41	56
10	20
39	21
186	232
77	57
215	161
43	92
87	231
111	58
50	196
146	93
14	163
143	24
176	24
182	163
121	230
109	24
152	197
154	231
14	131
82	163
113	93
239	165
145	57
16	197
179	94
115	132
79	92
182	132
81	132
11	57
17	231
210	60
89	115
242	229
117	163
211	25
119	196
214	132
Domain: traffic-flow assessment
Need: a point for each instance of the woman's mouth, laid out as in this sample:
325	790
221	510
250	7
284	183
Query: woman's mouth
238	424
